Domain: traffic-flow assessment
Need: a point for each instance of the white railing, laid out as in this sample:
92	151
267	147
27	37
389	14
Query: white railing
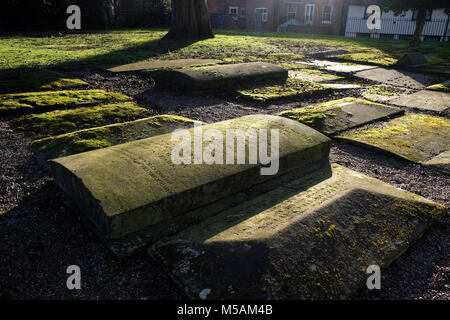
398	26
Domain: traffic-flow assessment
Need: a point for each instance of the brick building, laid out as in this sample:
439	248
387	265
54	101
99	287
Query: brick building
308	16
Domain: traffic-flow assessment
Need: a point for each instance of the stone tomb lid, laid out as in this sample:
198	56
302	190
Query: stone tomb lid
128	187
313	238
222	76
161	64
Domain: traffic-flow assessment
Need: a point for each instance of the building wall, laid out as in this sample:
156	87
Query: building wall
318	25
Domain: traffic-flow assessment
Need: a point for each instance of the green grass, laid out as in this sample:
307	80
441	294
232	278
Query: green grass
22	80
111	48
63	121
35	101
293	88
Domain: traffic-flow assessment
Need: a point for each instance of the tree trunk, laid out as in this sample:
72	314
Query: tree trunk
190	19
420	23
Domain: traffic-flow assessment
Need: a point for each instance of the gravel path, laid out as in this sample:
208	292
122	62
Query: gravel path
41	234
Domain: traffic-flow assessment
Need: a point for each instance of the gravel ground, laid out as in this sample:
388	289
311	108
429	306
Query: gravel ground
41	234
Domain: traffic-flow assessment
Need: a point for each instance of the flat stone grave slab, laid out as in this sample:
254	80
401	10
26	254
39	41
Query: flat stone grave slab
339	115
330	53
30	79
396	78
384	93
106	136
313	75
162	64
414	137
338	66
34	102
441	162
341	86
293	88
425	100
63	121
313	238
128	187
223	76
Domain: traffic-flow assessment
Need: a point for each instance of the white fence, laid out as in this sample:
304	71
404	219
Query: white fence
396	26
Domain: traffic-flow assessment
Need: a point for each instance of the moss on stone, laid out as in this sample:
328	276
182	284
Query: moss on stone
62	121
414	137
292	88
371	57
444	87
26	102
100	137
272	58
384	90
337	115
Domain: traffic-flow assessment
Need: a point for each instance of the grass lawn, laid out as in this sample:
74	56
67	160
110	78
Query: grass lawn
111	48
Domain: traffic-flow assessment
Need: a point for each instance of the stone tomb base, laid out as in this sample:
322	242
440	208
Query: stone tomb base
313	238
129	187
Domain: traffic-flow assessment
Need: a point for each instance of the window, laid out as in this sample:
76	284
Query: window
262	14
242	12
326	15
309	13
292	11
234	12
428	14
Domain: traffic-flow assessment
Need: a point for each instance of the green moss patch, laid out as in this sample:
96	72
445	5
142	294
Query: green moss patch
271	58
338	115
375	57
414	137
23	80
101	137
293	88
41	101
63	121
444	87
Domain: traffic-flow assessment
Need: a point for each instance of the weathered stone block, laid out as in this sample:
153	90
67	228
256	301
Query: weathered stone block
413	59
313	238
414	137
128	187
425	100
161	64
222	76
338	115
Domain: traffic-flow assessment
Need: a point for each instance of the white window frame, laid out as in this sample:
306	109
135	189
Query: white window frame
264	14
234	15
289	6
323	14
310	19
243	12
